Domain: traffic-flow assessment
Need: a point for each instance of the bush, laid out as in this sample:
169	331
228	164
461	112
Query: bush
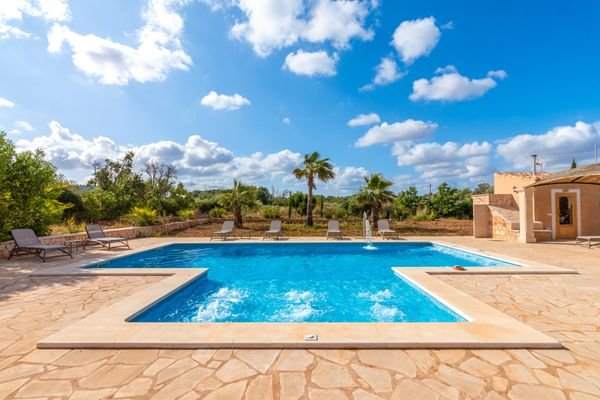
340	213
100	205
217	212
205	205
74	226
141	216
328	214
186	214
271	212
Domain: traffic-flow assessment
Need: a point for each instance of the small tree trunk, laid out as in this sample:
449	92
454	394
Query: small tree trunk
309	197
237	218
375	213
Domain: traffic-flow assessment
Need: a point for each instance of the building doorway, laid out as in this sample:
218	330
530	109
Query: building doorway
565	215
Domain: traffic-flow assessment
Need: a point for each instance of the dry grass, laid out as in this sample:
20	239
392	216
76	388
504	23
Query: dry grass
443	227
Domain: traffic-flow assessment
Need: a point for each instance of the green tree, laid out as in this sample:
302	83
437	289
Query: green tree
376	194
100	205
29	190
407	203
321	204
264	196
451	202
483	188
298	202
573	164
163	193
119	182
72	196
314	168
237	200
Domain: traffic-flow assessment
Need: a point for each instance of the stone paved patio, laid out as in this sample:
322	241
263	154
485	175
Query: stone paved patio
566	307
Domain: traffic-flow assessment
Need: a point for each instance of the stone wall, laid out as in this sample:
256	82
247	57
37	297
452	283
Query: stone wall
483	223
501	229
131	232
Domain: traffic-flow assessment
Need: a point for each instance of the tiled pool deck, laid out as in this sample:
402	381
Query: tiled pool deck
565	307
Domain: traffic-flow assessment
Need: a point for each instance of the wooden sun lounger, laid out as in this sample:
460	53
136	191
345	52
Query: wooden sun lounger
225	232
589	240
383	229
274	230
97	235
26	241
333	229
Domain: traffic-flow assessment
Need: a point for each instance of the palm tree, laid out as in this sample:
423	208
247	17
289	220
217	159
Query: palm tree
376	194
314	168
238	199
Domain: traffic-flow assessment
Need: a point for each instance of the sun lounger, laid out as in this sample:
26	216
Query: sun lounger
589	240
274	230
96	235
225	232
26	241
383	229
333	229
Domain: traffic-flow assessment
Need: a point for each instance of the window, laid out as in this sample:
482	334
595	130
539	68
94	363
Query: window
565	210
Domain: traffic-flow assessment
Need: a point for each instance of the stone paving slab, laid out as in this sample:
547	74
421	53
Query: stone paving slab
565	307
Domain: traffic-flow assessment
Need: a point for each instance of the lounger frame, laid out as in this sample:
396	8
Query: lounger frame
225	232
384	230
334	230
589	240
97	235
37	248
274	230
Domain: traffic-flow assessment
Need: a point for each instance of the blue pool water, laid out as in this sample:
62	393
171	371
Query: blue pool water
299	282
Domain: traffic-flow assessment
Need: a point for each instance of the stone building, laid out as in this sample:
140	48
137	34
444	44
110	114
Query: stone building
530	207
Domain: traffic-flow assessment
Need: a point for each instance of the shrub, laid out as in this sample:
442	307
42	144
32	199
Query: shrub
271	212
328	214
100	205
340	213
205	205
141	216
74	226
217	212
186	214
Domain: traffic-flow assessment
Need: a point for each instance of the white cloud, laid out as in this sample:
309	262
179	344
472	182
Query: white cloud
556	148
158	50
317	63
364	119
437	162
271	25
398	131
13	11
347	180
448	25
224	102
199	162
286	121
416	38
450	85
24	126
338	21
5	103
20	127
69	150
386	72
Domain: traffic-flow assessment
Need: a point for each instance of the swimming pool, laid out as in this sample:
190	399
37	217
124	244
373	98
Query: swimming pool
300	282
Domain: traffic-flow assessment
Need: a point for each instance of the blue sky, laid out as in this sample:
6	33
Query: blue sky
453	91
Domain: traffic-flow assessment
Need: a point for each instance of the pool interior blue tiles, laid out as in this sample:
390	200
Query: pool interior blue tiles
300	282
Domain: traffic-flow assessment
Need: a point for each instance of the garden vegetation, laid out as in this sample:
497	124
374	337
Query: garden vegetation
34	195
